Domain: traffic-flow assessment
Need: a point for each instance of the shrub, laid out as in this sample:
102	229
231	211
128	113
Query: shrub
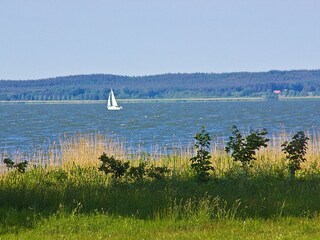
20	167
201	162
8	162
119	169
158	173
112	166
139	172
243	148
295	151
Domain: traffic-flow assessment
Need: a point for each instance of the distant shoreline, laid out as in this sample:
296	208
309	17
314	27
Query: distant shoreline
245	99
134	100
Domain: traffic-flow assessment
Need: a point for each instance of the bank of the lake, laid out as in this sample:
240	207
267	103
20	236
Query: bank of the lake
80	202
151	100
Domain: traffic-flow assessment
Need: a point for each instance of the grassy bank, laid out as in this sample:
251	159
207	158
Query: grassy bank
83	201
236	195
64	195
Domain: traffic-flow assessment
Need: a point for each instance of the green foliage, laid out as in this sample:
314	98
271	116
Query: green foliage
8	162
112	166
119	169
88	87
243	148
158	173
139	172
201	163
295	151
20	167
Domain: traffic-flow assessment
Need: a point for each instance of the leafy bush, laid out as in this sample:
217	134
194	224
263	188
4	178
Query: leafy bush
20	167
243	148
119	169
201	163
295	151
158	173
8	162
139	172
112	166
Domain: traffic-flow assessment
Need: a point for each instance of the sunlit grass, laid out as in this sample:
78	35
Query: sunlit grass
64	194
85	149
101	226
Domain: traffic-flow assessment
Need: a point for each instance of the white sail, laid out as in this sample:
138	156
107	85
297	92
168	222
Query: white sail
109	101
112	102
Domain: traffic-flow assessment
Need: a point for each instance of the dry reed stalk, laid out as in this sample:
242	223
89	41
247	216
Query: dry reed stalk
85	149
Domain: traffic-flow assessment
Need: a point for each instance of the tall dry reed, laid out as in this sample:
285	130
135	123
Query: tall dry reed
85	149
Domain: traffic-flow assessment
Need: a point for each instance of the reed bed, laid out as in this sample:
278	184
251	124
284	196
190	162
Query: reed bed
83	149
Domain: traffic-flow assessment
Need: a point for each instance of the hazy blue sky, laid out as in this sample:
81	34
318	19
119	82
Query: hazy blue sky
43	38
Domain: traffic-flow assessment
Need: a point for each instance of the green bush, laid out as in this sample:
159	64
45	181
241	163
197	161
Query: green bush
20	167
243	148
8	162
112	166
295	151
158	173
119	169
139	172
201	163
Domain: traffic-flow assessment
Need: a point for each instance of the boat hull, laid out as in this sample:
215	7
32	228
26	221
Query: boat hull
114	108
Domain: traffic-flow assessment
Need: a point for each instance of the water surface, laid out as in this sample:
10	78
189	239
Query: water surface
28	126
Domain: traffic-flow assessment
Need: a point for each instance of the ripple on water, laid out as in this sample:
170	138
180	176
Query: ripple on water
25	125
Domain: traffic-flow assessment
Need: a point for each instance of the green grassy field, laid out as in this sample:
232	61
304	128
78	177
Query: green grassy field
98	226
82	203
74	200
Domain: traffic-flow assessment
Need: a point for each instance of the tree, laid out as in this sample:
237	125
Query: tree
243	148
201	162
295	151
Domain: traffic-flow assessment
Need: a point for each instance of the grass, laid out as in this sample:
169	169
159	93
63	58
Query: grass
263	196
68	198
85	202
101	226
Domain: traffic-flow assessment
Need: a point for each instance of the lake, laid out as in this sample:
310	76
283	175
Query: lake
25	127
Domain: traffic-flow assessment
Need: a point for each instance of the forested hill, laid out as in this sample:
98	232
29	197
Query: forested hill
97	86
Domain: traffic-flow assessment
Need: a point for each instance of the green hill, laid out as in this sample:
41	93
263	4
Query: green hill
179	85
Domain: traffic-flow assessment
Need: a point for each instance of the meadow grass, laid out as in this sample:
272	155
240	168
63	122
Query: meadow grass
68	197
101	226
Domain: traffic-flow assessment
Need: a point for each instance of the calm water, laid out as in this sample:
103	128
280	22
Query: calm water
28	126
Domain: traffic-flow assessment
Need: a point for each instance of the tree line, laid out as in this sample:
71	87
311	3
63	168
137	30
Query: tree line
179	85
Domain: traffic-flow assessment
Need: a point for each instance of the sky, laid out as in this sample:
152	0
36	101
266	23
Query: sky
40	39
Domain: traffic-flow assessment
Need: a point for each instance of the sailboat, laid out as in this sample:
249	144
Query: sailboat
112	102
